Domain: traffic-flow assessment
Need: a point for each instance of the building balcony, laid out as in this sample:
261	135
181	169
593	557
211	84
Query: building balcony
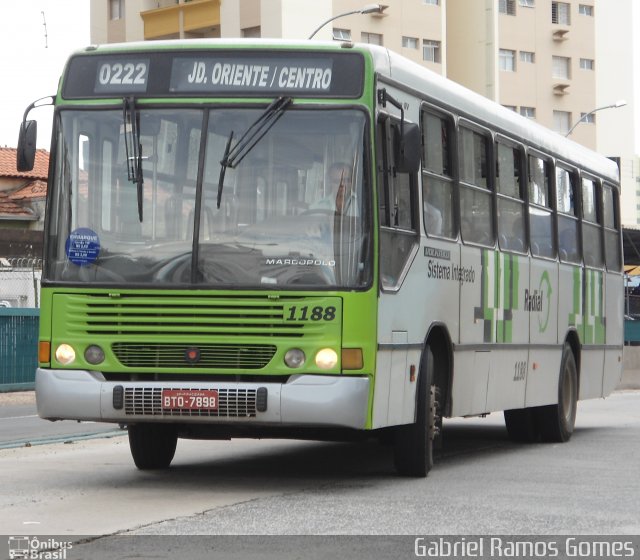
198	18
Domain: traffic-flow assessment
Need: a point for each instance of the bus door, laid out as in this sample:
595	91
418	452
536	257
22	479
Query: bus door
613	288
594	312
542	297
398	322
507	272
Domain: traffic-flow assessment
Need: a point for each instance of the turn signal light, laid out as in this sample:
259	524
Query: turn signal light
352	358
44	351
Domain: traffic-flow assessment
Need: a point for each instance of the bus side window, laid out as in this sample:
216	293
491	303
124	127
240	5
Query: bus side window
611	228
511	228
591	230
540	210
396	208
567	216
437	176
476	208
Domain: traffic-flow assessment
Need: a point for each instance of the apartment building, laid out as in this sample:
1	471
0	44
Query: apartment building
542	58
536	56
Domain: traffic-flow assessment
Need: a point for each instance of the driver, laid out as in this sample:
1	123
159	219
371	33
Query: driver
341	196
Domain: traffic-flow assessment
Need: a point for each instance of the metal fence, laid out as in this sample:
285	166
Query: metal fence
18	348
20	282
19	321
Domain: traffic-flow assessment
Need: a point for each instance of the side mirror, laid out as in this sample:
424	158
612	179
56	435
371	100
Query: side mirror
26	154
408	149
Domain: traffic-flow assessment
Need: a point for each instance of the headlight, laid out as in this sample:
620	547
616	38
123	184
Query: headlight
94	354
294	358
65	354
326	358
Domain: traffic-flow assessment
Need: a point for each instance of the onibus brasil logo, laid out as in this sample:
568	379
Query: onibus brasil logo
35	548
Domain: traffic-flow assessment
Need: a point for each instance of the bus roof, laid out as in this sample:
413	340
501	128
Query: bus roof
408	74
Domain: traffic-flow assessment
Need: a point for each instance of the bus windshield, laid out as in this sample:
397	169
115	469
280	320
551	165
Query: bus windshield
293	212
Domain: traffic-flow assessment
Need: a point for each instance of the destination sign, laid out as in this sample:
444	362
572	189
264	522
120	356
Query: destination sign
234	74
214	73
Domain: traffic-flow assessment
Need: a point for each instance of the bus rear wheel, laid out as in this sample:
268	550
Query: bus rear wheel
152	445
414	443
556	422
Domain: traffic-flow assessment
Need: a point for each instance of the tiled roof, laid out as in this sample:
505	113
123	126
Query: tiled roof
34	189
11	210
8	165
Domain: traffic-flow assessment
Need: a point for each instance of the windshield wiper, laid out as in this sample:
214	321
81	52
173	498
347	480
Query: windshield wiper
253	135
133	147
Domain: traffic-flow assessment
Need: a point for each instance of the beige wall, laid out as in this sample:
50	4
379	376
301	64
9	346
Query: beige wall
616	80
472	45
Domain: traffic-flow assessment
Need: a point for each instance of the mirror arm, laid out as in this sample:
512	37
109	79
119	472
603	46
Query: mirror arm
36	103
383	98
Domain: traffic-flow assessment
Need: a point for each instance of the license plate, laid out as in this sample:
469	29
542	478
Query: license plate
190	399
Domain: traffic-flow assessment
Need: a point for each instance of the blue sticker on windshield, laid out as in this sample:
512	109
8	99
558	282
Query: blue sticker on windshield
82	246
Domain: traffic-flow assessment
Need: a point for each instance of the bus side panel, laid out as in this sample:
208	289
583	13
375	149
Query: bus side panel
614	333
471	378
477	298
594	321
477	327
544	363
509	364
428	294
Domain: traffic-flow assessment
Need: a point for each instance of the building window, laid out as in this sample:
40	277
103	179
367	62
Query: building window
587	64
528	57
116	9
507	7
432	2
561	13
511	107
561	67
528	3
585	10
371	38
431	51
341	34
589	118
529	112
251	32
561	121
507	60
410	42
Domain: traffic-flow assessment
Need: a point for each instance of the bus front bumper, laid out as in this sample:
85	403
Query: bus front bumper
304	400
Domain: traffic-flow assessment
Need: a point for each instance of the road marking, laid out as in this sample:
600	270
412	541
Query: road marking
19	417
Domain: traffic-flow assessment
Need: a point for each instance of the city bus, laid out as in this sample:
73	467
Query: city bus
275	239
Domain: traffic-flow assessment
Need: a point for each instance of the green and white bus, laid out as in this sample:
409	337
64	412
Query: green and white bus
316	240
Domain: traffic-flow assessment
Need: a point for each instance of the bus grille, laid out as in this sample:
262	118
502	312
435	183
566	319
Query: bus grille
227	356
181	316
232	403
198	332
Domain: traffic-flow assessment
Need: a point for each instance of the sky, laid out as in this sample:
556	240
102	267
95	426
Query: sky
31	63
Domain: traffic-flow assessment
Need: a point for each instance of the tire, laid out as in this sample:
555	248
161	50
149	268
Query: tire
556	422
414	443
522	425
152	445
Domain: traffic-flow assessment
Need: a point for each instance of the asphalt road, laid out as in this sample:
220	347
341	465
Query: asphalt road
274	494
21	426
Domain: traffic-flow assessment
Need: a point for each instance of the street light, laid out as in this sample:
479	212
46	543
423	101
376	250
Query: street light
616	105
368	9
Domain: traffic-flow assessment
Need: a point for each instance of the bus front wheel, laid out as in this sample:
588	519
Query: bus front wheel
413	445
152	445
